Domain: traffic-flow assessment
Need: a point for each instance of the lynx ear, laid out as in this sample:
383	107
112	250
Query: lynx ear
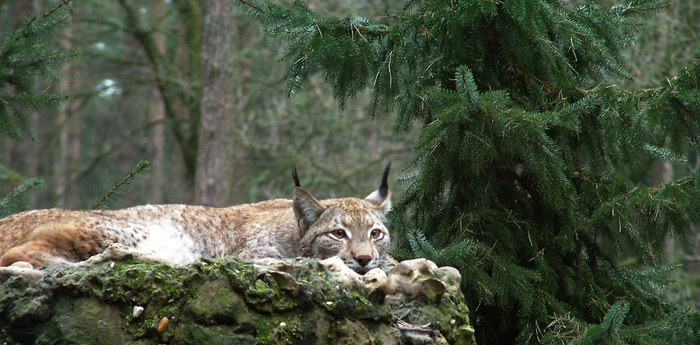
382	196
306	208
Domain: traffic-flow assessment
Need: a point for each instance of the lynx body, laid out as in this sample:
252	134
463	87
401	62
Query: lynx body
350	228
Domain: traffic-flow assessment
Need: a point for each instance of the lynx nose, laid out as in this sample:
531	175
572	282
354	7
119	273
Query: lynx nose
363	260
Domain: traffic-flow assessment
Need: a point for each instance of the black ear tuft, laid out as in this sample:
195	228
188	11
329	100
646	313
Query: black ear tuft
384	186
381	197
295	176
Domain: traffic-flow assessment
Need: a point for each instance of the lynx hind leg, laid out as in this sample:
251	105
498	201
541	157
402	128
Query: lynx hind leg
35	252
18	254
55	242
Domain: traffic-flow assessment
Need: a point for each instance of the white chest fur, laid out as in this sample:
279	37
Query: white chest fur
168	242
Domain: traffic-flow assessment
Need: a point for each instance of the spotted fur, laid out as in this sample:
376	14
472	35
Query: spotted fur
179	234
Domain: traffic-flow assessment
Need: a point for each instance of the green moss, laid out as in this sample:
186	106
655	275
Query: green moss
214	302
281	329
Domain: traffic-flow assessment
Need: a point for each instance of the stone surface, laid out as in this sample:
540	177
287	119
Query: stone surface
118	300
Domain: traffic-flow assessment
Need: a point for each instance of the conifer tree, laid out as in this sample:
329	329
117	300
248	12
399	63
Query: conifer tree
524	176
24	55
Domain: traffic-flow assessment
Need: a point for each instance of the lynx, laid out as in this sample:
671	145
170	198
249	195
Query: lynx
352	229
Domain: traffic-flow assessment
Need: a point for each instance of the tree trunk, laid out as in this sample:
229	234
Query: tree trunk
218	162
68	127
182	120
157	113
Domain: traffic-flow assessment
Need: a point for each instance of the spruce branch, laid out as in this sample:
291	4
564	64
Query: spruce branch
632	9
467	86
140	167
59	7
10	202
253	6
23	56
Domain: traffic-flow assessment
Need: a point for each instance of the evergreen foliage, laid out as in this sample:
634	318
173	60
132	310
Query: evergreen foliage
104	200
525	172
24	55
11	202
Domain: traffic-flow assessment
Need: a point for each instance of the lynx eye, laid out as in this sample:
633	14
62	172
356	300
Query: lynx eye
376	234
338	233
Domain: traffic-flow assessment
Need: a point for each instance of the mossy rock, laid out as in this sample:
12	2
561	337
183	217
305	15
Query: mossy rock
227	301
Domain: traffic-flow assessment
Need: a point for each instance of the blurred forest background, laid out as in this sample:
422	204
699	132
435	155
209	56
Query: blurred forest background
155	80
137	94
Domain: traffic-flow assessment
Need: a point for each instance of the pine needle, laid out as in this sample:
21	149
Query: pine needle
10	203
109	195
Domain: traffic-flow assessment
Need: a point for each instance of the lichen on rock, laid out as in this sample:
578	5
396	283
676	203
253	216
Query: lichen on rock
120	300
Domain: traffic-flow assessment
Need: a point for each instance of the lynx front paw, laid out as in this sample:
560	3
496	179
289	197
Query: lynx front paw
119	252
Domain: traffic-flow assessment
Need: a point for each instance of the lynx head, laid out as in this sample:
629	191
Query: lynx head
350	228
